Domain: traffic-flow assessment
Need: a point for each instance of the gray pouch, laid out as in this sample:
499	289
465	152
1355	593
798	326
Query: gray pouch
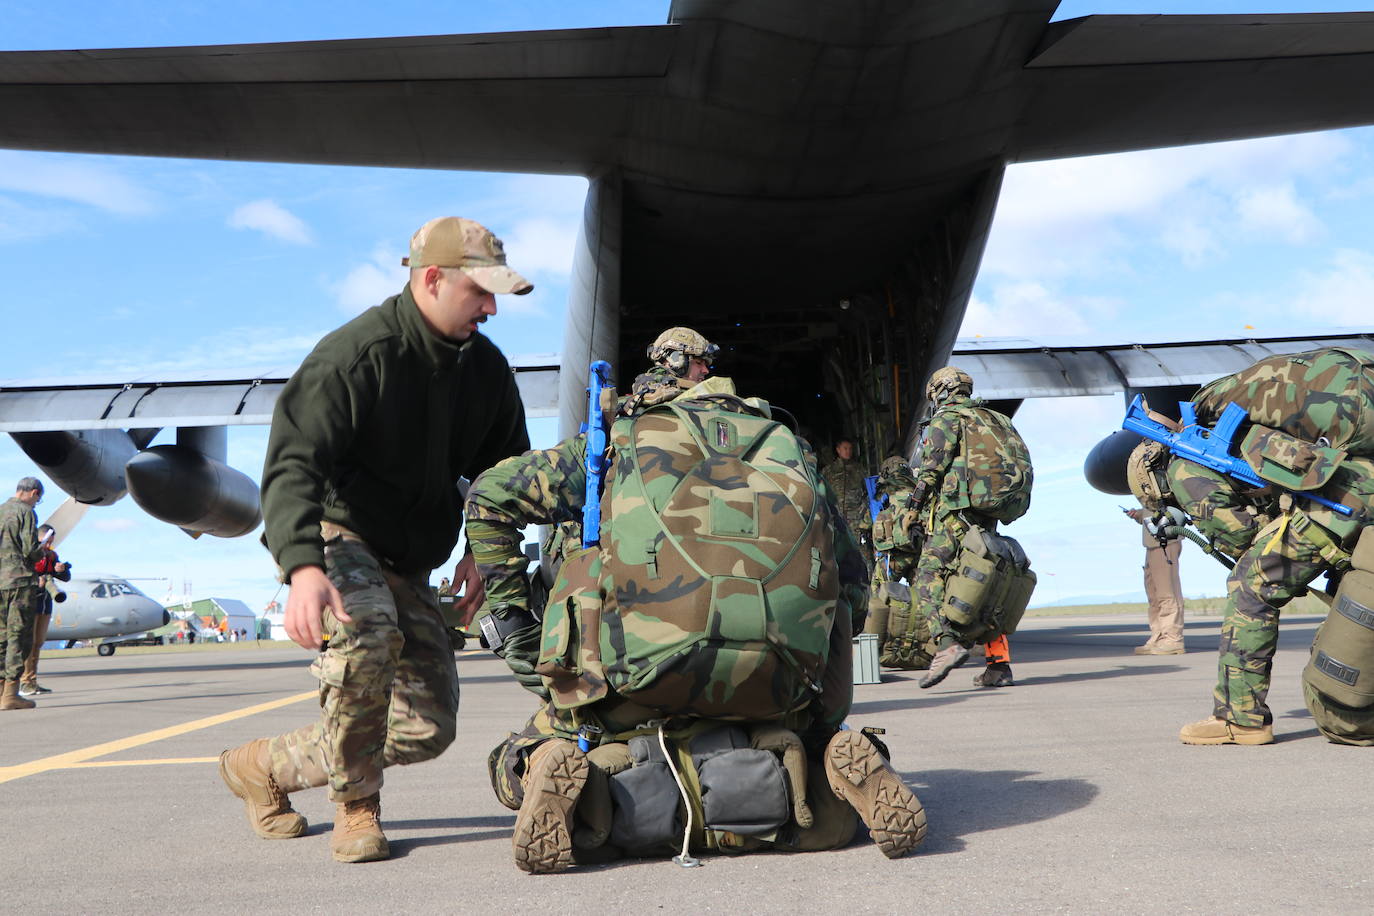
743	790
646	800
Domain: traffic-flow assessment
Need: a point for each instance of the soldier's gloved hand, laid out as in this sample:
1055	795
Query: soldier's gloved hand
521	652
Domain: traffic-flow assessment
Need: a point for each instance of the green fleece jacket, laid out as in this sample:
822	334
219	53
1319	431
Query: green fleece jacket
373	431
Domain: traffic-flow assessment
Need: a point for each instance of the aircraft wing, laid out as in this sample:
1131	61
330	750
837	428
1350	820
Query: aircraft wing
202	399
546	101
1105	84
1018	368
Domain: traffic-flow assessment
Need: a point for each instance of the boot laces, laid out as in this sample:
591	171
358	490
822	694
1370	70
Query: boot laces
362	813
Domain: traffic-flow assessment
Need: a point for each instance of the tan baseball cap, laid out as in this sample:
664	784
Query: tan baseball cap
451	241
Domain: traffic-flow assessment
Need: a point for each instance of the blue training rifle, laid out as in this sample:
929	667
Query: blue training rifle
875	502
1209	448
597	428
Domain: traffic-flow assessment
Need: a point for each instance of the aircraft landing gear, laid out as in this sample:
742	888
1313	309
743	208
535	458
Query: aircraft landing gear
106	649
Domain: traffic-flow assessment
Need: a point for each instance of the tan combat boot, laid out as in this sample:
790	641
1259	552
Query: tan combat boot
554	777
247	771
358	833
10	698
859	774
945	661
1218	731
1166	648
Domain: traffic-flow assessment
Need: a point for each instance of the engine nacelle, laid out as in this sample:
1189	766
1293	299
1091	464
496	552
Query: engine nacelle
87	463
1105	466
184	487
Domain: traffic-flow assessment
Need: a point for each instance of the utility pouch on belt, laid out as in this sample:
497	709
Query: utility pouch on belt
646	800
989	585
743	789
1342	661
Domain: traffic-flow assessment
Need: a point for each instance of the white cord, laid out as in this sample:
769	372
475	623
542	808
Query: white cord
685	860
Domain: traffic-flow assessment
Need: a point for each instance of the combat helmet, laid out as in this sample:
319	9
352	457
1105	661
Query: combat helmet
948	382
674	348
895	472
1145	475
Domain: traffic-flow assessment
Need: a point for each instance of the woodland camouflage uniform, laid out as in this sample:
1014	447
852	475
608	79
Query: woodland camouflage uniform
548	487
903	634
952	476
1280	544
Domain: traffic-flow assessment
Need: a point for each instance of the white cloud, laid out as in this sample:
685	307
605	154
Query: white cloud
542	245
1082	216
1276	211
271	219
1028	309
369	283
83	180
1340	294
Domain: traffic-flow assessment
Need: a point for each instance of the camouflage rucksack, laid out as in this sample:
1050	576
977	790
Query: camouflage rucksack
715	584
996	463
1320	394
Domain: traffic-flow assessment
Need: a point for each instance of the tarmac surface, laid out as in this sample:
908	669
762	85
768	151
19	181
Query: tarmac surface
1066	793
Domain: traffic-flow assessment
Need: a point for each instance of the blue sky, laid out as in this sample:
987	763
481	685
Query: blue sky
120	263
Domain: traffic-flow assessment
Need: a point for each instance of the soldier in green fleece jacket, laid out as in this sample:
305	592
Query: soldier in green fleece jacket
360	497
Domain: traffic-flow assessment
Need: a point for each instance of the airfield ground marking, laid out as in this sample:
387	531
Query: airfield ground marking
137	763
64	761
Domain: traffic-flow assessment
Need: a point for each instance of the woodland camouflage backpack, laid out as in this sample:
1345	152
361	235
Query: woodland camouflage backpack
995	470
716	578
1321	393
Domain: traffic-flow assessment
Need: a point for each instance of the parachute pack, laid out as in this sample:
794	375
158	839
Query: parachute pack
997	464
715	587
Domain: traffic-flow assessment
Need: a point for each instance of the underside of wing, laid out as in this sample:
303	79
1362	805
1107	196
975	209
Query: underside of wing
550	101
1107	84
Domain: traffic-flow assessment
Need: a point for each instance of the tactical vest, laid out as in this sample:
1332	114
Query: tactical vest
997	467
715	586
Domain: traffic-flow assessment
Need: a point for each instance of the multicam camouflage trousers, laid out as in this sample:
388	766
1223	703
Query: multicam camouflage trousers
388	685
17	608
1275	570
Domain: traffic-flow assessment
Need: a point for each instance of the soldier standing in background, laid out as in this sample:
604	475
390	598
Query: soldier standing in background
1163	590
846	476
973	470
19	550
360	498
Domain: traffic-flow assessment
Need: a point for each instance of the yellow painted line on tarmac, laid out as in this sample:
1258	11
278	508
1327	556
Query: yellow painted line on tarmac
63	761
138	763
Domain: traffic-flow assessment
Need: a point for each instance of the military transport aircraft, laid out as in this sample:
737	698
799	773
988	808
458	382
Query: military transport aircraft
810	183
103	606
